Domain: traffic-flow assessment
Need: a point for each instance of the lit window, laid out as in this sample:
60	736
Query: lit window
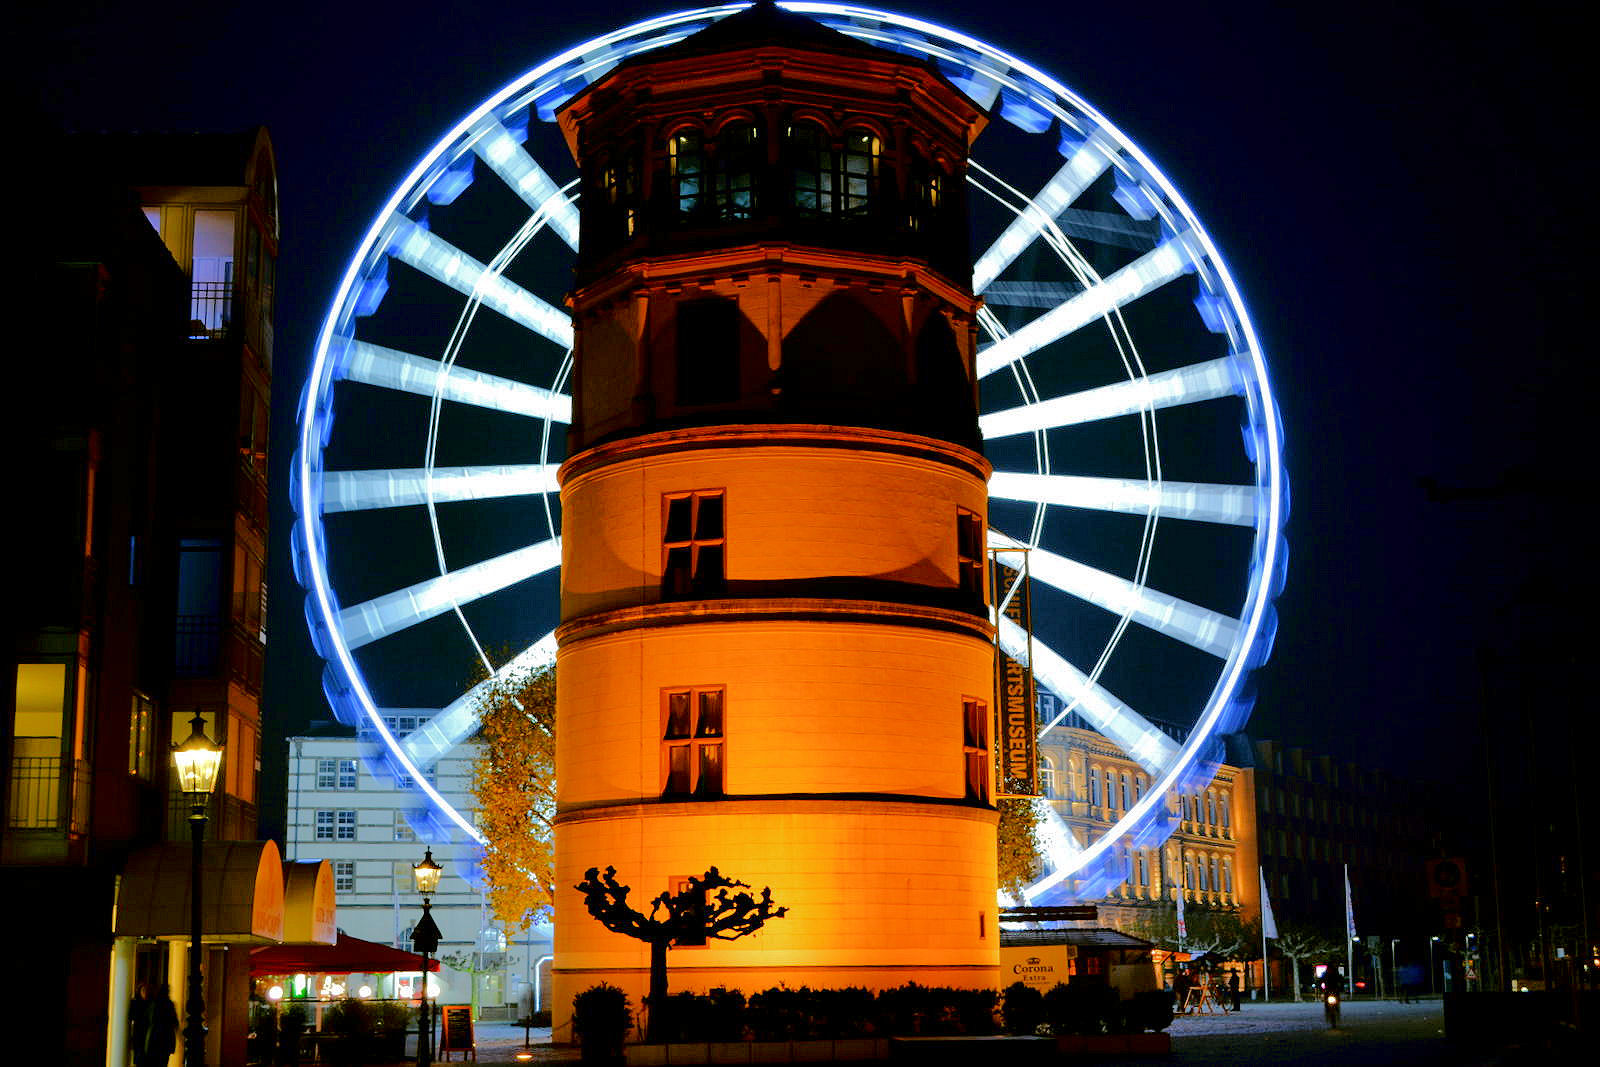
344	876
969	552
862	152
692	546
692	734
141	736
975	747
1047	776
619	181
686	165
811	162
1222	807
402	828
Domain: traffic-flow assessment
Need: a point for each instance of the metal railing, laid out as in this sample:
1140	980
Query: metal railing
43	797
210	310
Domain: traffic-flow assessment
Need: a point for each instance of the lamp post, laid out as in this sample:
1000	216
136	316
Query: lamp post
197	760
1431	942
425	939
1394	964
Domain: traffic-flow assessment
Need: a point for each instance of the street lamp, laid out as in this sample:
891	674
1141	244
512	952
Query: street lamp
425	939
197	760
1431	942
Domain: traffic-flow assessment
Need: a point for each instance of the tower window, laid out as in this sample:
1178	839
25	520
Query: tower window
969	552
692	546
975	747
692	739
733	188
686	165
829	180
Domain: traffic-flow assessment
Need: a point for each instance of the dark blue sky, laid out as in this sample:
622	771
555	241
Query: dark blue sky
1394	188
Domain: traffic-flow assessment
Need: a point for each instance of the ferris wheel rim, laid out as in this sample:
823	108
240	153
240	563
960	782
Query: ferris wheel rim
315	421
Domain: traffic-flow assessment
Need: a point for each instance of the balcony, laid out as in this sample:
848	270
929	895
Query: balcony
43	797
210	310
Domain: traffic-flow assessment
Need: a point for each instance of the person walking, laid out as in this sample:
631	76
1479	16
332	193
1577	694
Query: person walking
139	1022
161	1035
1233	988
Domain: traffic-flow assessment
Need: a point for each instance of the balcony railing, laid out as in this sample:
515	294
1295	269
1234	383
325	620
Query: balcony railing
210	310
43	798
198	646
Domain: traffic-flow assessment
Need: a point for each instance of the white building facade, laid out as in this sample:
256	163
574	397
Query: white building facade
346	806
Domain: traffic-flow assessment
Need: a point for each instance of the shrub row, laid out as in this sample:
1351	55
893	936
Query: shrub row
784	1014
1083	1008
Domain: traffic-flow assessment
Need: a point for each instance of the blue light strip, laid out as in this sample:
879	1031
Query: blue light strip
393	369
364	623
1077	174
1230	505
458	721
442	261
1210	380
504	154
374	489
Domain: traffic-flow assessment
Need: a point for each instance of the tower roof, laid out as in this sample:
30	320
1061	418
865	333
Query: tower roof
765	24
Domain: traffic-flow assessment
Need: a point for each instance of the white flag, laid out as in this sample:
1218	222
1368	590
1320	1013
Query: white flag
1349	906
1269	927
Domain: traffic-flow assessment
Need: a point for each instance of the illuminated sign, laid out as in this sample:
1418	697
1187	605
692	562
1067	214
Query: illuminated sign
1016	746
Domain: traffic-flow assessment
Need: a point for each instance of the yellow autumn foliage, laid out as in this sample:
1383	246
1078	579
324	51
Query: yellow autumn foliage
514	783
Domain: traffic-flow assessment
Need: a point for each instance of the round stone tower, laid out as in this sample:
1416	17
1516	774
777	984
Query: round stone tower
775	655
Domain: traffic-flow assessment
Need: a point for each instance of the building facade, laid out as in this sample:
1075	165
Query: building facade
1211	856
141	434
775	656
371	826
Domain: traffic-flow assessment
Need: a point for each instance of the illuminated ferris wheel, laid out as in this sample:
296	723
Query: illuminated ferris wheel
1118	369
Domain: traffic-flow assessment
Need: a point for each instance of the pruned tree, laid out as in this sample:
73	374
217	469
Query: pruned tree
1298	941
711	907
1021	853
514	784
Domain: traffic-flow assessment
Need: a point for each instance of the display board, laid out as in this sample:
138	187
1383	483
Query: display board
457	1035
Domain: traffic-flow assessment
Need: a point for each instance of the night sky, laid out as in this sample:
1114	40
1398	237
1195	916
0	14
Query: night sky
1394	187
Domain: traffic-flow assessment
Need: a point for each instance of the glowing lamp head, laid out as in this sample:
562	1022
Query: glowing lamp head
275	993
364	992
198	761
427	874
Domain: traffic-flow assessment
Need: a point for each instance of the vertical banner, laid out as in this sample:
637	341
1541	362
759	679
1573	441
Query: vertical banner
1017	747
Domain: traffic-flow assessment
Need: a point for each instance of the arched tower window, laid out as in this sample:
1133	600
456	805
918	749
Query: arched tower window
1094	786
830	181
735	165
1047	776
619	184
686	170
811	167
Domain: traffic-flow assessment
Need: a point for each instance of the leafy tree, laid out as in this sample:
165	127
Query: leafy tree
470	963
514	783
1021	853
1299	941
703	910
1222	932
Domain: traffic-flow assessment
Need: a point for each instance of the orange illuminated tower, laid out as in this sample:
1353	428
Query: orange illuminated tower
775	654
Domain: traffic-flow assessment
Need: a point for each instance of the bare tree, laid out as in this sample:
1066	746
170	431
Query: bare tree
708	907
1300	942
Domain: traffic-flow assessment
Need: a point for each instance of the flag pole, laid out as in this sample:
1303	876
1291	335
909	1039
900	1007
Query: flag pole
1349	933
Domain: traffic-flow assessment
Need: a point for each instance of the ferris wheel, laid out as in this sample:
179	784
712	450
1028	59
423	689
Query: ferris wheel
1125	405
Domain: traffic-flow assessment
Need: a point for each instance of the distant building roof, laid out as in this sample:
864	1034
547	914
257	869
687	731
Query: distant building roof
166	157
1089	937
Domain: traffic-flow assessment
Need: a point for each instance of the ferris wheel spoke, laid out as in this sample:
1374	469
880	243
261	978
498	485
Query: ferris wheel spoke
439	259
374	489
1198	627
500	149
390	368
1230	505
1145	744
1170	259
458	720
1186	385
1087	162
361	624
